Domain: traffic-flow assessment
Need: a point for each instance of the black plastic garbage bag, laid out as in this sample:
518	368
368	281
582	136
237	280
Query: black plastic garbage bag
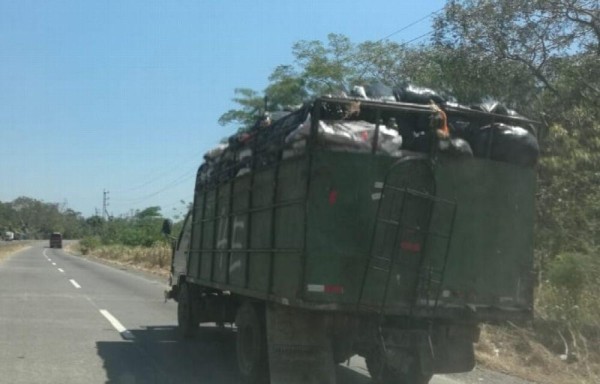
456	147
358	91
417	95
506	143
379	91
496	108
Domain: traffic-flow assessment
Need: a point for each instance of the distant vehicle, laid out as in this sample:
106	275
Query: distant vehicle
56	240
9	236
320	245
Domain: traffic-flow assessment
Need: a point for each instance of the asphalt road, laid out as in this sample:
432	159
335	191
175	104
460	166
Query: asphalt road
66	319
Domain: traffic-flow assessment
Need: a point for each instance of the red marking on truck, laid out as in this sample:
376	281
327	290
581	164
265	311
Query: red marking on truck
333	195
409	246
325	288
334	289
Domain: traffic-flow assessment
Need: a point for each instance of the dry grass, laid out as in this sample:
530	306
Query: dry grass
10	248
533	354
563	343
155	259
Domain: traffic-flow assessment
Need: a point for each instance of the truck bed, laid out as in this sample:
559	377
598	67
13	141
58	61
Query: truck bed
369	233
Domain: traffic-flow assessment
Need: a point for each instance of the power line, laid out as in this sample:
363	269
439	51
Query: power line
180	202
410	25
419	37
175	182
160	175
403	29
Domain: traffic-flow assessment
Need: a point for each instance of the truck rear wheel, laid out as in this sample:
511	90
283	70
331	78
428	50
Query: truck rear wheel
251	344
186	323
382	373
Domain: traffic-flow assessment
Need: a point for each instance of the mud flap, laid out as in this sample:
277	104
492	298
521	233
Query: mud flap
299	346
452	349
454	356
410	352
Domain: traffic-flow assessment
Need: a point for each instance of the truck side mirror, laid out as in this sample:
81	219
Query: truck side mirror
167	227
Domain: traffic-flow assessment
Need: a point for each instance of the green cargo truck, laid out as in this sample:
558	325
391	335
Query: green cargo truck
318	251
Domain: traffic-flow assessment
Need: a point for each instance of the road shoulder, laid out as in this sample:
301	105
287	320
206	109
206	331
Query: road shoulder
8	249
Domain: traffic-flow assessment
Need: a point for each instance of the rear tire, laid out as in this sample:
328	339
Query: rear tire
251	344
186	324
382	373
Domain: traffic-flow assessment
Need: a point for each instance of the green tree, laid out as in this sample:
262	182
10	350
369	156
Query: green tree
335	66
533	34
149	213
554	44
37	219
318	68
250	103
286	88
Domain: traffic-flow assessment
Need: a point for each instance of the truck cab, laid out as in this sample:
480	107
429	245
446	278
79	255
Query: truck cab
179	260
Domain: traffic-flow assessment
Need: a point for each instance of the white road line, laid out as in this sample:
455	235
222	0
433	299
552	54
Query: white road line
62	270
54	264
75	284
117	325
49	259
44	253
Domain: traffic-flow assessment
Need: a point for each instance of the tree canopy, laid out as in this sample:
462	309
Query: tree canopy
31	218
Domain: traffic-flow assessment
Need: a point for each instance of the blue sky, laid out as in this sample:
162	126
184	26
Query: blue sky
125	95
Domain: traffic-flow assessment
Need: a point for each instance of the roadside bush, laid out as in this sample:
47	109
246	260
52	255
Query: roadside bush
571	291
89	243
567	273
568	310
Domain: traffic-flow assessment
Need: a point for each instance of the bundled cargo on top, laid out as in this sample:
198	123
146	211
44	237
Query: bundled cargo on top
379	120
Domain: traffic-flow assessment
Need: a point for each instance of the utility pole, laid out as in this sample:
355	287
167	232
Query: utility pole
105	204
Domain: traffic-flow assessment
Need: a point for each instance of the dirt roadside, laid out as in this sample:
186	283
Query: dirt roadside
7	248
